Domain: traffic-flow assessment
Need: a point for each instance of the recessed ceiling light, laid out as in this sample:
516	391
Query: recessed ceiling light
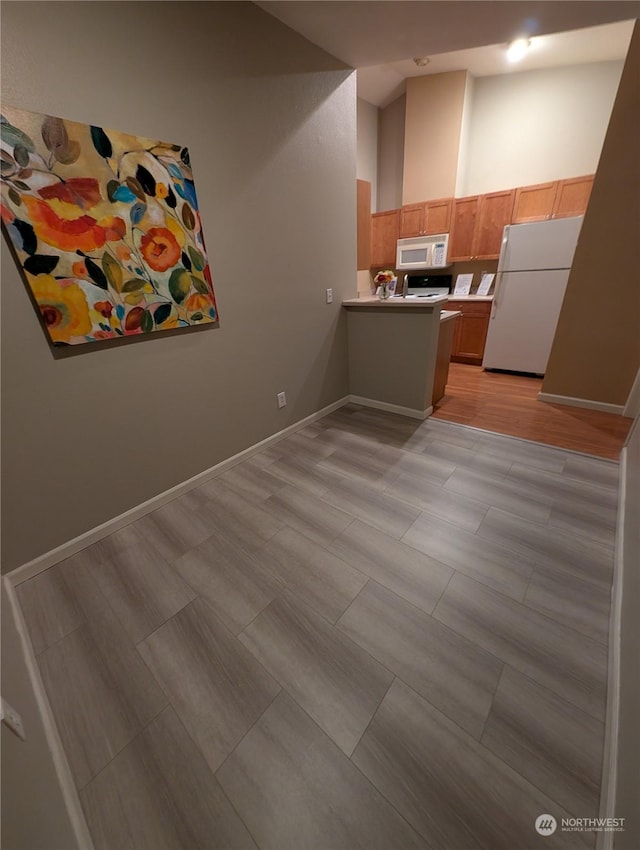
517	49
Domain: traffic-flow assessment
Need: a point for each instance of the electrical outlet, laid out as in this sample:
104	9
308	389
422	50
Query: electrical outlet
282	399
12	719
329	296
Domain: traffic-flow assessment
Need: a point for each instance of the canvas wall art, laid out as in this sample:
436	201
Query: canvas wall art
106	229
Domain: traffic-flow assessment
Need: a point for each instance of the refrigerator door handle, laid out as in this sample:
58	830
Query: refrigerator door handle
501	263
496	294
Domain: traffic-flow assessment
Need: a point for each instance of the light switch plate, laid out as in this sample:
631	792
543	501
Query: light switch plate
329	296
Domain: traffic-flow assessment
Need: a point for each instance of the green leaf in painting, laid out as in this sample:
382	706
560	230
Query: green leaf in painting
113	271
162	313
12	136
186	262
96	274
40	263
195	317
15	197
200	285
196	258
101	142
133	284
20	185
146	180
26	231
187	217
21	155
69	154
112	186
179	284
147	322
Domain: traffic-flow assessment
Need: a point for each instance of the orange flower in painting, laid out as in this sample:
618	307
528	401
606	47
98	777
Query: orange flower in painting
198	302
105	308
160	249
63	307
77	234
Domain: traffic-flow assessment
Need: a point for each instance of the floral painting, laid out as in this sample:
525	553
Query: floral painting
106	228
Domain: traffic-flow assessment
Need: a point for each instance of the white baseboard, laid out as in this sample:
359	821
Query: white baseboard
391	408
612	717
54	556
60	763
588	403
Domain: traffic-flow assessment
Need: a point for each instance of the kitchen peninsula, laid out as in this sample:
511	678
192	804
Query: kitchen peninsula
393	352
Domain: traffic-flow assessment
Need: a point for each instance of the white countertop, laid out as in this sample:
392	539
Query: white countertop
373	301
445	315
453	297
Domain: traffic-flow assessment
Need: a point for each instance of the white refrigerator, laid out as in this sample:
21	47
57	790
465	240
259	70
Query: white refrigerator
533	270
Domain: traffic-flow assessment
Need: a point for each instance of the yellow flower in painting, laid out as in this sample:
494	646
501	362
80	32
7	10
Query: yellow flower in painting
161	190
198	302
177	231
63	306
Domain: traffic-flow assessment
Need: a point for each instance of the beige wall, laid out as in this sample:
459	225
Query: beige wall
391	154
270	121
596	350
367	147
535	126
433	130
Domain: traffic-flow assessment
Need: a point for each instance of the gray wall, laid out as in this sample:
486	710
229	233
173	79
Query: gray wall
367	162
391	155
270	121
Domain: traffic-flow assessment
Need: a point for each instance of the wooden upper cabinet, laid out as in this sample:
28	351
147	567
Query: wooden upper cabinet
412	220
364	223
572	196
385	227
534	203
494	213
426	218
463	228
437	216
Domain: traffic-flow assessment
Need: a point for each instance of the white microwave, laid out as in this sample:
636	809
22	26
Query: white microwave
422	252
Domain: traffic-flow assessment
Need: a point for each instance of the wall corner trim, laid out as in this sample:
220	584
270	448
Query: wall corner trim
391	408
60	763
32	568
612	717
588	403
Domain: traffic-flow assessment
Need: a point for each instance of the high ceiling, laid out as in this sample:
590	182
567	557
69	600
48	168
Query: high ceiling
381	39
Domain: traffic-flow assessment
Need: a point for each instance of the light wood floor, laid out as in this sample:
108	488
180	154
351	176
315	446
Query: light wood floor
508	404
377	634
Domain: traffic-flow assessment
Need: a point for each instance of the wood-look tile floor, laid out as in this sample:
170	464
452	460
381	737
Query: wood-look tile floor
376	633
508	404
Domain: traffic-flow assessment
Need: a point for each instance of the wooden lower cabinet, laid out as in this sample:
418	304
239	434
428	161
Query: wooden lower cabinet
470	332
